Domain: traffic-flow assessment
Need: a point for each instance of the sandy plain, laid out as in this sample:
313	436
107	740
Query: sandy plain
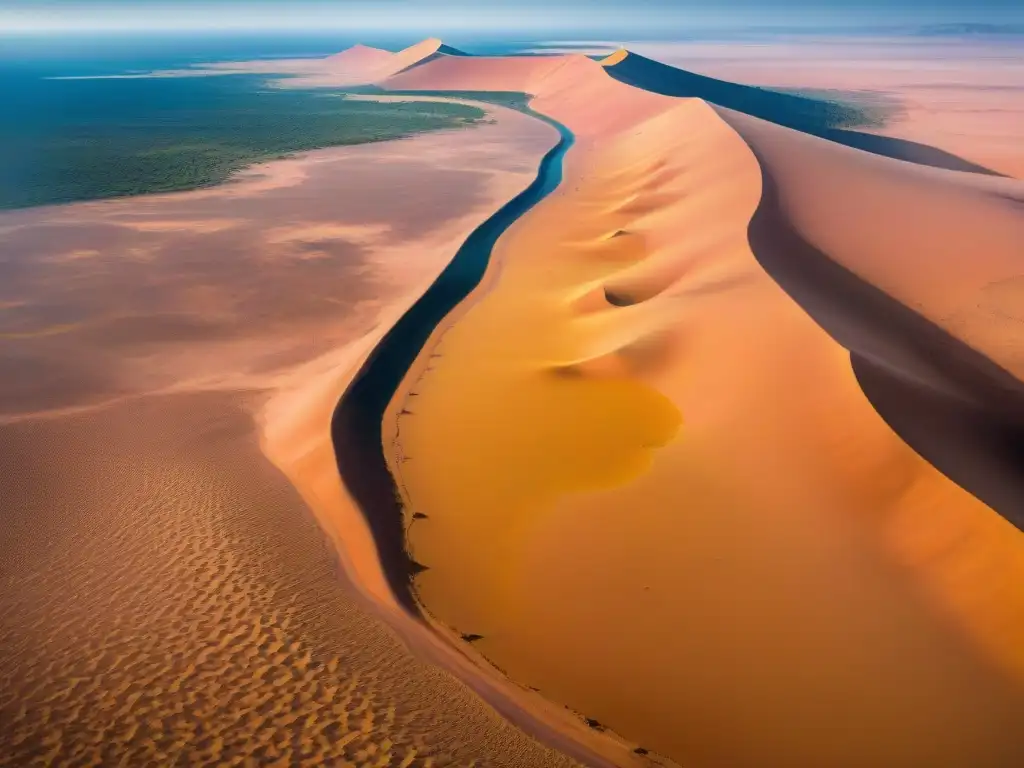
167	597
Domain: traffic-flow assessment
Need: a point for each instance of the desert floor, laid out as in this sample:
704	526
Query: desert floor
166	594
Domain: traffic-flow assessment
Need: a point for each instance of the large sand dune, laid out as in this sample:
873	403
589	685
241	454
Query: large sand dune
802	112
721	456
950	98
689	467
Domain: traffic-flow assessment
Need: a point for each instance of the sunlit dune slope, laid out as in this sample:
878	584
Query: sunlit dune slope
935	319
363	64
638	463
359	58
494	73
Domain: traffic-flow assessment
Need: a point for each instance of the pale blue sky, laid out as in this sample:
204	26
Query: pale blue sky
556	17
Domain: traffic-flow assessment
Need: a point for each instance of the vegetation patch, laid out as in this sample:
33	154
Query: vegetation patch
512	99
71	140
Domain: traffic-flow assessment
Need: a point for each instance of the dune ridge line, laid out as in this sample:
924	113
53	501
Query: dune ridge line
649	285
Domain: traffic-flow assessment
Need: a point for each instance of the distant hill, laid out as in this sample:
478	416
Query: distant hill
961	30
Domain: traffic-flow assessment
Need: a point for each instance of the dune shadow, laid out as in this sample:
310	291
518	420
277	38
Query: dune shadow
906	150
357	422
442	51
358	448
826	119
951	404
972	446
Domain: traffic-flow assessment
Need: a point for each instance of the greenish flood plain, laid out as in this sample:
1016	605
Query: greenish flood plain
63	141
511	99
90	139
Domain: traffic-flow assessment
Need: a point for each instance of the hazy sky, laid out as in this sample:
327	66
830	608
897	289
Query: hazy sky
554	17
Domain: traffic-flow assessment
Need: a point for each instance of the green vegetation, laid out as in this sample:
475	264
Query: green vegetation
90	139
822	113
849	109
510	99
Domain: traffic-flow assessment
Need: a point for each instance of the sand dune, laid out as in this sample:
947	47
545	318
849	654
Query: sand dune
942	316
684	517
359	58
495	73
358	65
954	98
720	459
804	113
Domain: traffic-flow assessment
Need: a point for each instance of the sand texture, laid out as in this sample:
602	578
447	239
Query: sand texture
167	598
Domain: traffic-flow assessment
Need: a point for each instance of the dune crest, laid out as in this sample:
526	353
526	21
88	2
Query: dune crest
774	535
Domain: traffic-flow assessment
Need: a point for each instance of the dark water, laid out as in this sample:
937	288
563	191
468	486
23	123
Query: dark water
356	425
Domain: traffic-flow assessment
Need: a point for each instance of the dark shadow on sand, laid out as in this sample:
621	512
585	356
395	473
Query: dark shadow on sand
442	51
904	149
955	407
356	426
827	119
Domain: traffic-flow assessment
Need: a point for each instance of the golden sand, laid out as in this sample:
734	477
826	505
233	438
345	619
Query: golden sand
638	464
644	479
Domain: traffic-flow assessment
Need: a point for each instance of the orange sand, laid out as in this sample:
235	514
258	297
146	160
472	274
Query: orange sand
639	462
650	479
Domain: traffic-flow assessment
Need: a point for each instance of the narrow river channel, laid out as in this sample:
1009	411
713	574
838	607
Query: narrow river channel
356	424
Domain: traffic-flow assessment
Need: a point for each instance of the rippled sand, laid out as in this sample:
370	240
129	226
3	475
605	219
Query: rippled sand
168	600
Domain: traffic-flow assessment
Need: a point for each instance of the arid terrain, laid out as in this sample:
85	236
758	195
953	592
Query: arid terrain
699	436
167	598
718	464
